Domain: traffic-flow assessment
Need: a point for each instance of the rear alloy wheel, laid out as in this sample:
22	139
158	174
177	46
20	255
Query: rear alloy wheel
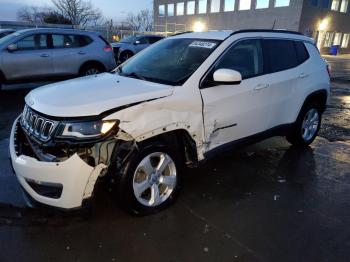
92	71
306	127
150	181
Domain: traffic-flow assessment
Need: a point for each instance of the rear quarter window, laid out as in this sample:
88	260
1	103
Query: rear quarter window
281	54
302	53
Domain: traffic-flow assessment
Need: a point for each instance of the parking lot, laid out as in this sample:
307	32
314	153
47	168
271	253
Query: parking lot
266	202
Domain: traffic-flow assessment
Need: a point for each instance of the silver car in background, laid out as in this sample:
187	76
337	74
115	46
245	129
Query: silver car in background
39	54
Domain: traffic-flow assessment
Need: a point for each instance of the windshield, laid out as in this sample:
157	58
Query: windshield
171	61
129	39
8	37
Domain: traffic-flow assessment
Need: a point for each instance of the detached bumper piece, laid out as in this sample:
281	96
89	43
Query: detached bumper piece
61	184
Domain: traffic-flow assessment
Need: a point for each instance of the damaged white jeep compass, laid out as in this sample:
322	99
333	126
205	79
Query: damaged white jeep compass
173	105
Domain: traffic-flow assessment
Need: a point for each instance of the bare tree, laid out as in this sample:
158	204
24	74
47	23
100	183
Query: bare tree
32	15
79	12
143	21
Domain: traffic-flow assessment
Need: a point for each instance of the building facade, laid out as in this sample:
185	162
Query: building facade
327	21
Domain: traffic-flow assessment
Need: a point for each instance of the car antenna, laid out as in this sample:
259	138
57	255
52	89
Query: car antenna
274	23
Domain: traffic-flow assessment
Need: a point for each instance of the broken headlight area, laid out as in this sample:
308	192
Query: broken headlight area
91	151
86	129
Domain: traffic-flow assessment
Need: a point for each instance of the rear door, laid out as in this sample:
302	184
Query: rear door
32	59
69	52
282	63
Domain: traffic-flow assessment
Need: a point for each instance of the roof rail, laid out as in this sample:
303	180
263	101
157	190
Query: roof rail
181	33
265	31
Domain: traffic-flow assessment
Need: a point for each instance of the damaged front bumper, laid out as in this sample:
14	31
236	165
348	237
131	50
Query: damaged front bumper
61	184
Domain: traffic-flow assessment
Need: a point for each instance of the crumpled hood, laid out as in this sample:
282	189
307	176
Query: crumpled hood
93	95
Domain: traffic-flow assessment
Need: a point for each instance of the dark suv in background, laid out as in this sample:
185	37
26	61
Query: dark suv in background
38	54
131	45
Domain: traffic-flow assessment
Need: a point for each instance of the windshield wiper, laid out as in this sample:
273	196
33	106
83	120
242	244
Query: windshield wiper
134	75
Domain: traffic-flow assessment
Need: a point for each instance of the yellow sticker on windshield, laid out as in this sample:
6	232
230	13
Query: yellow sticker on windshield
203	44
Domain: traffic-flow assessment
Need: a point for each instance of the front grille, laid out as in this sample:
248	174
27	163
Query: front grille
37	125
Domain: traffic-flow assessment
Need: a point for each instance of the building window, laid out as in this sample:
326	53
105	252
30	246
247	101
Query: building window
335	5
215	6
262	4
337	38
345	42
281	3
170	9
202	6
325	3
314	2
328	39
161	10
229	5
244	4
191	7
180	8
344	6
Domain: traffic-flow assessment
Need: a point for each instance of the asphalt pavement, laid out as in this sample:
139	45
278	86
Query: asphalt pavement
266	202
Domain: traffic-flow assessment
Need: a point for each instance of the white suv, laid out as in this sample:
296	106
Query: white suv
173	105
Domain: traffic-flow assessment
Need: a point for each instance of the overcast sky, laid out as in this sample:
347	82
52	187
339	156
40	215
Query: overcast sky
111	9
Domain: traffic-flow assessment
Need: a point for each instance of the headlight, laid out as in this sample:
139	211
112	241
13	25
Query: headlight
91	129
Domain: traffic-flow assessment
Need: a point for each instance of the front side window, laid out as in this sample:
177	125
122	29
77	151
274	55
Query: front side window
180	8
171	61
281	54
170	9
244	4
33	42
281	3
344	6
245	57
229	5
345	42
191	5
335	5
202	6
215	6
262	4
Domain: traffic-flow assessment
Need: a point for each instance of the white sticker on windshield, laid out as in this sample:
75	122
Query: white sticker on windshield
203	44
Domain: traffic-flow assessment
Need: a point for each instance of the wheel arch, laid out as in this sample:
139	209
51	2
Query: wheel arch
319	96
91	62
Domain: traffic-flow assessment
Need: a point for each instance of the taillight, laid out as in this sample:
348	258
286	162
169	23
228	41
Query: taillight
107	48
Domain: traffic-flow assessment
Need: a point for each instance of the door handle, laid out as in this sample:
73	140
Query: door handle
261	86
44	55
81	53
303	75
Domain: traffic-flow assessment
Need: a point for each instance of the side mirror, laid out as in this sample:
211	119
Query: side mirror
12	47
227	77
137	42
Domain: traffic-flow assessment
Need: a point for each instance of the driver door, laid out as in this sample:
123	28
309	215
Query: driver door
32	59
236	111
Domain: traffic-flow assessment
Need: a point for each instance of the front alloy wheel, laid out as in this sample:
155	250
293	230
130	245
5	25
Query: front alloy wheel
154	179
149	180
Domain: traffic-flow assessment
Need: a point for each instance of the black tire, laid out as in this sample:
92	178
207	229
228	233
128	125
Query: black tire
125	56
125	183
297	136
91	69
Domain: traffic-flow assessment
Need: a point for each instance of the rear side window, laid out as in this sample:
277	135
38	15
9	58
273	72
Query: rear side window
70	41
302	53
281	54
